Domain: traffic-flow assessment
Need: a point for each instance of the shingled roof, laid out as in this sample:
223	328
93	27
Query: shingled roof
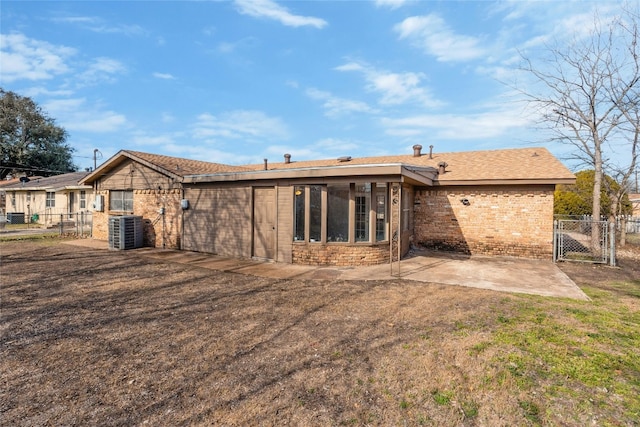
175	167
525	164
68	181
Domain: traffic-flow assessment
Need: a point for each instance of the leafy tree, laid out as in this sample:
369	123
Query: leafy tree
588	95
577	199
30	141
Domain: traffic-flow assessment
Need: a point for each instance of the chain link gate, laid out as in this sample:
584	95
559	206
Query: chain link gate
584	241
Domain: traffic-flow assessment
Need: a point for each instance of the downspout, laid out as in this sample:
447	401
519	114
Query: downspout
181	219
164	216
275	256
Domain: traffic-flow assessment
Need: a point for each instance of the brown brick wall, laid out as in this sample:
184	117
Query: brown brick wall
511	221
159	230
340	254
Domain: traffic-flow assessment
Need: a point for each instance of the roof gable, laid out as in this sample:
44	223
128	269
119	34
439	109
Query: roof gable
173	167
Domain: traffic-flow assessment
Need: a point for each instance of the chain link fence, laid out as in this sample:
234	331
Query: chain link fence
584	240
78	223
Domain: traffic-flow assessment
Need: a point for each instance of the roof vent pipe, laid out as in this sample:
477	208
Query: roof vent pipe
287	158
265	164
431	151
416	150
442	166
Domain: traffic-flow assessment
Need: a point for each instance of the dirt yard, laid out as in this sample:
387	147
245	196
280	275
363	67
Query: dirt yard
94	337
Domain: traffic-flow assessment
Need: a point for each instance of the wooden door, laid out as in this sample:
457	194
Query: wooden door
264	222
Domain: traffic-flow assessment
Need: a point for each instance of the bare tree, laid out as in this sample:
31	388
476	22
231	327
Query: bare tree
587	94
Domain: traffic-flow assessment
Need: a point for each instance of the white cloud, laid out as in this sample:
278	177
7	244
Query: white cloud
205	152
320	149
152	140
432	34
394	88
336	145
230	47
29	59
168	118
391	4
97	25
34	92
271	10
490	124
163	76
100	70
335	106
239	124
74	115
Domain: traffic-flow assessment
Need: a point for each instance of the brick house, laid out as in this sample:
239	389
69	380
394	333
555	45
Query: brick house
345	211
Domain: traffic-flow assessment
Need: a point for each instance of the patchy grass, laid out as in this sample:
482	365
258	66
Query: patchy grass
113	338
53	238
585	352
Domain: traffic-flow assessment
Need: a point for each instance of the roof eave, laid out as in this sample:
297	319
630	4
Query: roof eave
69	187
423	176
528	181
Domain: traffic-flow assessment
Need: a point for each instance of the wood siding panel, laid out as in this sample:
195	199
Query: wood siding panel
285	224
218	220
133	176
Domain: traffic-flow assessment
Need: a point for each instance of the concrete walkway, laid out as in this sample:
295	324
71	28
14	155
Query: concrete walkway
536	277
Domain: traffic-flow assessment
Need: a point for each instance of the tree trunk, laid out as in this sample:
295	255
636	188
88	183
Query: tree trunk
597	186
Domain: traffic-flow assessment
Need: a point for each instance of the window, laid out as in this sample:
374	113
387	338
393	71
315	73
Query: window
298	213
28	196
50	201
406	206
345	212
363	211
13	199
121	200
83	199
338	213
315	213
381	212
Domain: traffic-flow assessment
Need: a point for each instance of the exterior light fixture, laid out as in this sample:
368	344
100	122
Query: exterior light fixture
465	202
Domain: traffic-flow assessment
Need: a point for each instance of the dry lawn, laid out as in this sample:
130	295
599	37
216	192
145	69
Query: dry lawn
92	337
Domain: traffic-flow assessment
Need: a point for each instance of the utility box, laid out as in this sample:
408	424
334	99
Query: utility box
15	217
125	232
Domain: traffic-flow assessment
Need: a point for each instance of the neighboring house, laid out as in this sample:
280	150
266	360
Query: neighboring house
635	204
3	195
49	197
346	211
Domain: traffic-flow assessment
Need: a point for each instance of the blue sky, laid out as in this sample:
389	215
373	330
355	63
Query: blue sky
239	81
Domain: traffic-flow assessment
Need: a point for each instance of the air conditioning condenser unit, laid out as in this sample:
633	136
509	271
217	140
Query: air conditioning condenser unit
125	232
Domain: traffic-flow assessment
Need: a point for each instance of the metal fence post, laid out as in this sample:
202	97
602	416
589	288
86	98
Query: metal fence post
612	238
555	240
61	224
